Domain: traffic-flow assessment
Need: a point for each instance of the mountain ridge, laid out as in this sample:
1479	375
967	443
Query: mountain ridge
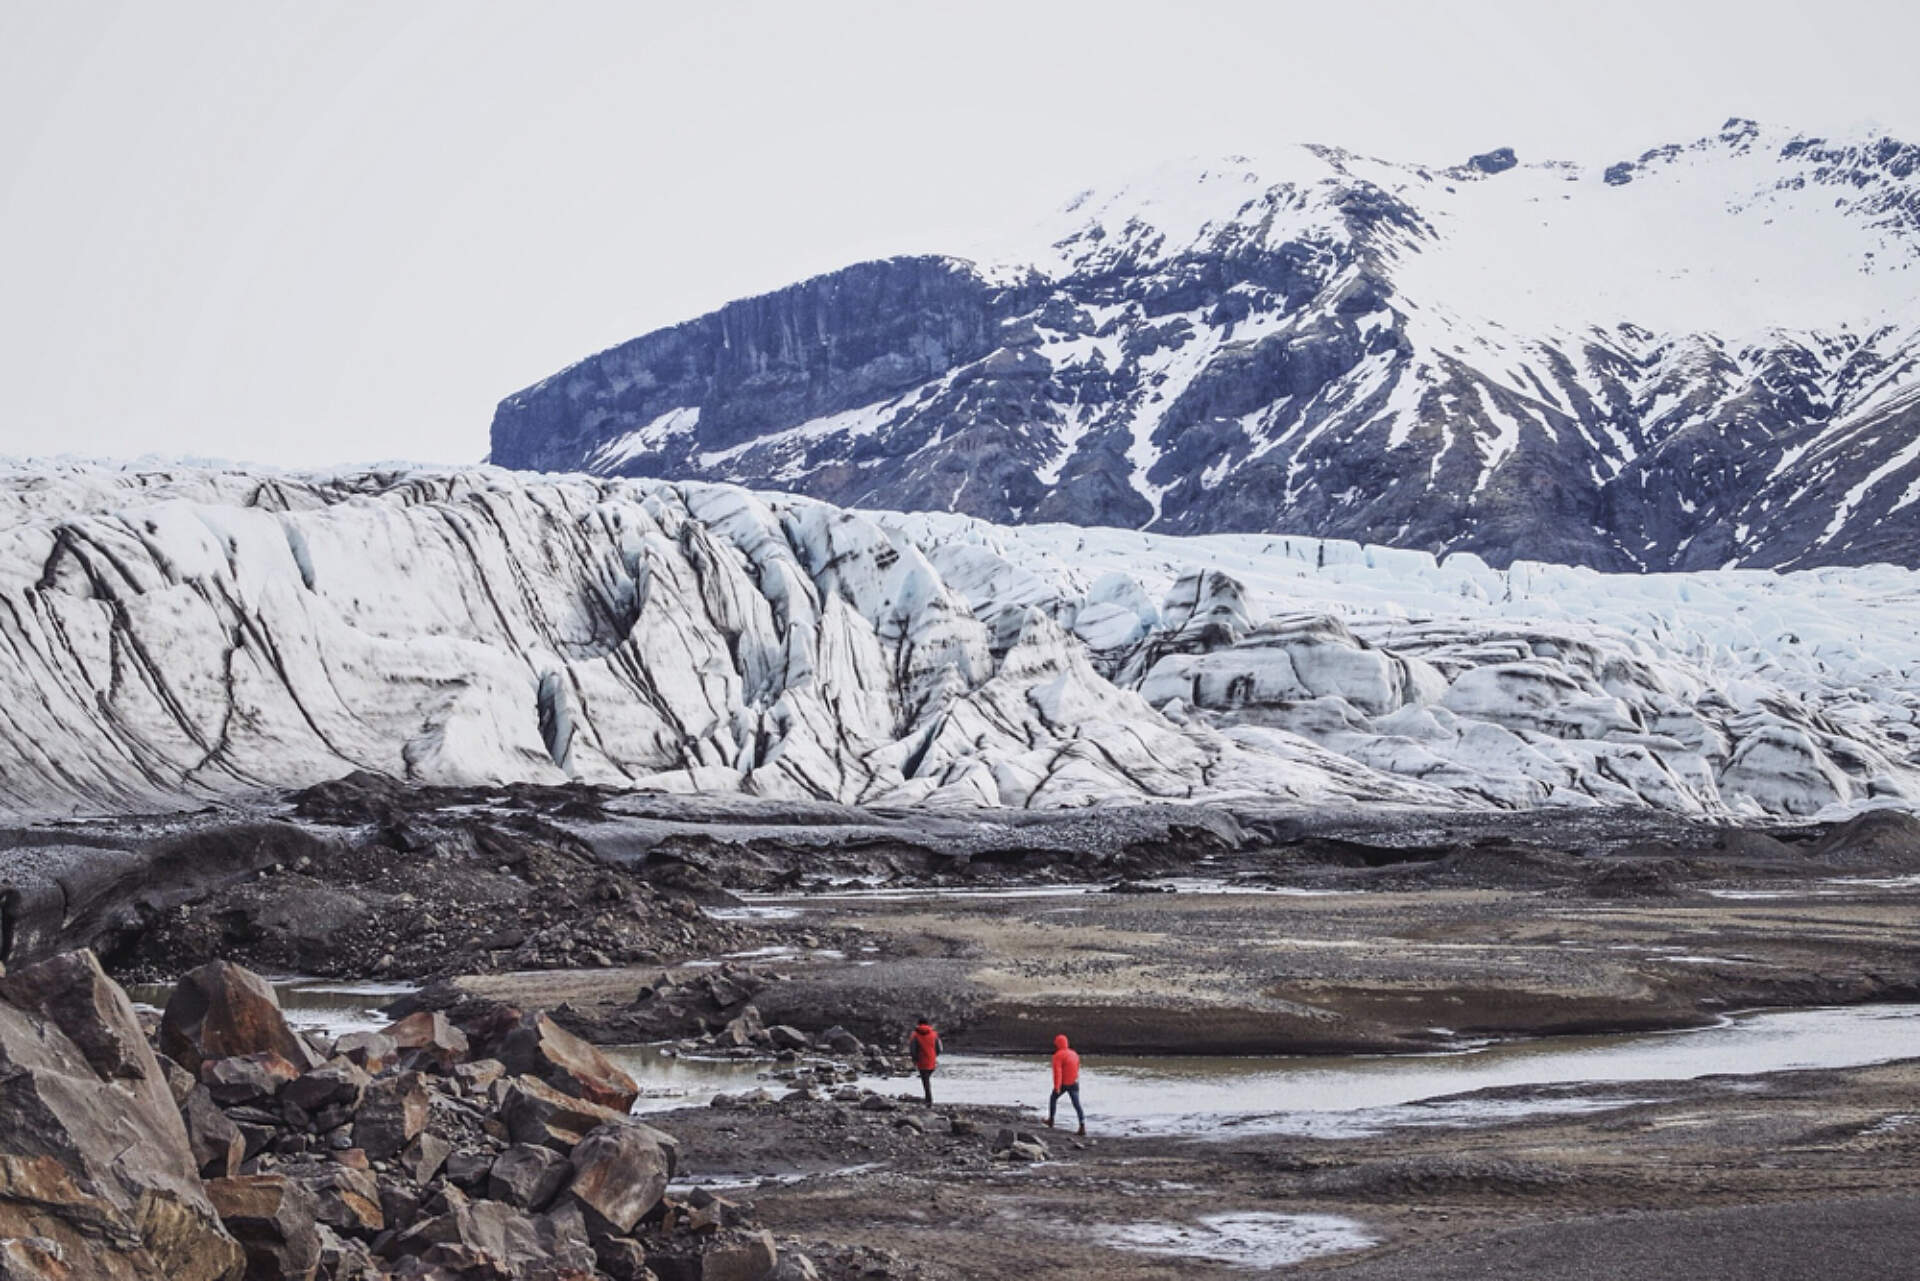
1526	360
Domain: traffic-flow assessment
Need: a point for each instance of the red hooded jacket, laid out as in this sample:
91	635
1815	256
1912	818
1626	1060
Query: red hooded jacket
926	1047
1066	1064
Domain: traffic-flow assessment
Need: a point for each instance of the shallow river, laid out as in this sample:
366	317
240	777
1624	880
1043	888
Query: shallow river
1327	1096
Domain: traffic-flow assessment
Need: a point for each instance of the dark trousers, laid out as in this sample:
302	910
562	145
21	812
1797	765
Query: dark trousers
926	1082
1072	1092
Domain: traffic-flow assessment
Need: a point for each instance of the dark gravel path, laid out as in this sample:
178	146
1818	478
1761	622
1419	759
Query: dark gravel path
1853	1239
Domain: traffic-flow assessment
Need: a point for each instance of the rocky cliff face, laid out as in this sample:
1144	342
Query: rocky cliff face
1706	355
172	637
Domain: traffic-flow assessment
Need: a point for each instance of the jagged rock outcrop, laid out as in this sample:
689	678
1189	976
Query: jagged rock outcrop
95	1167
1704	355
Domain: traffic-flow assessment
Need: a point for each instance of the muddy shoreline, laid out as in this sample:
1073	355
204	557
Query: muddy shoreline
1820	1145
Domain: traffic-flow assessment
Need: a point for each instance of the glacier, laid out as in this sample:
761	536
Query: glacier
173	636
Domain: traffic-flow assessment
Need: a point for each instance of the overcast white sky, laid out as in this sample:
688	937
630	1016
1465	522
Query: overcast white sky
311	232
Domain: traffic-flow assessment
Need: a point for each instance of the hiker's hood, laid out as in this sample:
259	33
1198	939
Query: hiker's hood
1060	1042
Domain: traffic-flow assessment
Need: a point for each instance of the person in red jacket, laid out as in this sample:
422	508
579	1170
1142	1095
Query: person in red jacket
924	1045
1066	1080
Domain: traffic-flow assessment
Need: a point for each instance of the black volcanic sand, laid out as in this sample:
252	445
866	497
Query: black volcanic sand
592	904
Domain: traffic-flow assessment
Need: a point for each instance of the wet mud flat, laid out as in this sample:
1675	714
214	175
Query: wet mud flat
1813	1174
1217	968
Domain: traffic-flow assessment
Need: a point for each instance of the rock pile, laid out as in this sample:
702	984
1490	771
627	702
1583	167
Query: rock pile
429	1150
399	889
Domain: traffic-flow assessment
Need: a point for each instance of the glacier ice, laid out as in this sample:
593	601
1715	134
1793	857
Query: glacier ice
176	635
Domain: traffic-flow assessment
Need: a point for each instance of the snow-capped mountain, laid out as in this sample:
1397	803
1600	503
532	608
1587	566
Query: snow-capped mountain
169	637
1708	355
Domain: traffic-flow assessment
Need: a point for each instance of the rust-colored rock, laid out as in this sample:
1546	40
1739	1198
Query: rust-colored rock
222	1010
273	1219
373	1051
94	1155
535	1112
620	1172
427	1039
345	1199
537	1046
393	1111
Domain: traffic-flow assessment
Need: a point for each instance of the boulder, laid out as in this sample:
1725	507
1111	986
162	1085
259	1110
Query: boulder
340	1082
373	1051
97	1164
468	1169
215	1141
528	1176
619	1173
179	1081
539	1047
793	1266
400	1204
72	992
392	1112
486	1023
476	1076
788	1038
738	1256
248	1079
622	1258
428	1041
563	1234
221	1011
423	1157
256	1136
273	1218
492	1239
535	1112
841	1041
345	1258
709	1213
345	1199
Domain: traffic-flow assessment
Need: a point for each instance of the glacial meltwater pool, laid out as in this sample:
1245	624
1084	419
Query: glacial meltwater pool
1325	1096
1335	1096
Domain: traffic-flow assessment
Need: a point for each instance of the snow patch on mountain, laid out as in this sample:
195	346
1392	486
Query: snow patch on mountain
1707	355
